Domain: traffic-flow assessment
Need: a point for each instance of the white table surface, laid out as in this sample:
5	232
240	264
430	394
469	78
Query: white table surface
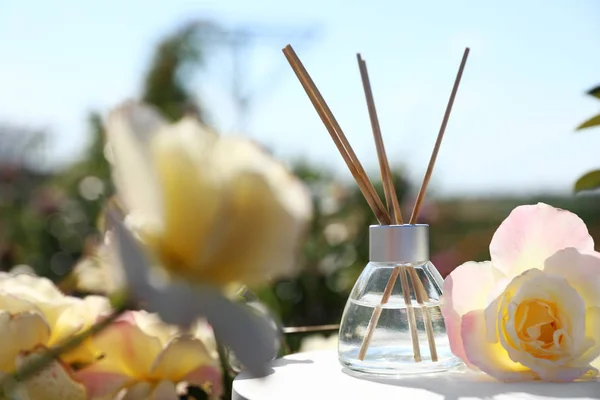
317	375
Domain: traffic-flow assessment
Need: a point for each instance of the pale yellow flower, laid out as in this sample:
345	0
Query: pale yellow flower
143	358
35	315
213	209
533	311
203	214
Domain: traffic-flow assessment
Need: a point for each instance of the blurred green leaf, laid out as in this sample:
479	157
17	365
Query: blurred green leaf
589	181
595	92
176	57
594	121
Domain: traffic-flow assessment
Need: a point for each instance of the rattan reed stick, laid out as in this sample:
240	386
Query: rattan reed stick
410	311
422	299
386	174
421	196
377	313
340	140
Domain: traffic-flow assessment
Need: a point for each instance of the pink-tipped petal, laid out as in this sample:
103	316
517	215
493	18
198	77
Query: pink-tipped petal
453	322
186	358
490	358
532	233
101	384
466	289
581	270
127	350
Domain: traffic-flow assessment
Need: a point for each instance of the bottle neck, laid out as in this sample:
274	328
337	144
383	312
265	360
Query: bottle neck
399	243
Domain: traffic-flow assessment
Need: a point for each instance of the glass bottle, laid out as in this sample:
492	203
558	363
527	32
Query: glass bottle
392	323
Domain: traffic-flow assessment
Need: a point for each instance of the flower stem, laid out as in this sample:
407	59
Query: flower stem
227	381
8	382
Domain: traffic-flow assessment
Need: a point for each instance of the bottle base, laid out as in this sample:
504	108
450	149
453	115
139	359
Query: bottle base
395	365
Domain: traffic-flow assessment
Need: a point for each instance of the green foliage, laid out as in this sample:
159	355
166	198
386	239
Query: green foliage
589	181
88	182
595	92
594	121
26	203
175	58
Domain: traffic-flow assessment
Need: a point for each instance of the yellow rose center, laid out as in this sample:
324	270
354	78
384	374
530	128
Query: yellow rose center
538	328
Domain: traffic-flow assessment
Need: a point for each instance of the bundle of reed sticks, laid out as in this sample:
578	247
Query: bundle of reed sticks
390	214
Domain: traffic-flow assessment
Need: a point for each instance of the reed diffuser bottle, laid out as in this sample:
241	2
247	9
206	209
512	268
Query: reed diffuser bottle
392	322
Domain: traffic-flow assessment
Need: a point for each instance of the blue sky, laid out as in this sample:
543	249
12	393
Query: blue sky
511	129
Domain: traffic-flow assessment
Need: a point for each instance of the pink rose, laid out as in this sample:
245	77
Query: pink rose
533	311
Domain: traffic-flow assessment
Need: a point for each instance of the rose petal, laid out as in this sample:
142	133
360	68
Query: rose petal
202	330
592	327
101	384
129	130
127	350
252	202
180	357
15	304
581	270
532	233
84	313
191	191
236	155
53	382
537	285
27	292
262	188
490	358
18	333
152	325
467	288
76	318
30	287
492	315
41	296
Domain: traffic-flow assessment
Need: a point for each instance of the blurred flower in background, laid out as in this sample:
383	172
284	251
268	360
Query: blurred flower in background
213	210
35	315
145	358
203	214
